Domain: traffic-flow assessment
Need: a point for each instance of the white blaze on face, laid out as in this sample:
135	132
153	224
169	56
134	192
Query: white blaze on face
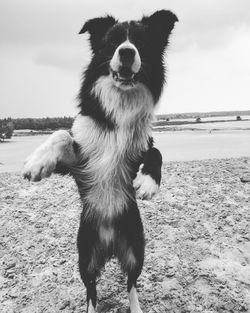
115	62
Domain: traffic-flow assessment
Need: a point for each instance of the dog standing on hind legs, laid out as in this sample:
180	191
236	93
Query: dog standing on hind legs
109	151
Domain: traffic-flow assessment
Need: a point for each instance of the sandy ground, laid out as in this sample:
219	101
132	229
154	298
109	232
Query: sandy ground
197	253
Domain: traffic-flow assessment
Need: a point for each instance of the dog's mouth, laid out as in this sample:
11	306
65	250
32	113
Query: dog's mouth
124	76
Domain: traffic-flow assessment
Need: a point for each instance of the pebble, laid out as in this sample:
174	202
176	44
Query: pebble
64	304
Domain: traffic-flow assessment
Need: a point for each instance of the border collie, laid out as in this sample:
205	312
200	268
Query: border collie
109	150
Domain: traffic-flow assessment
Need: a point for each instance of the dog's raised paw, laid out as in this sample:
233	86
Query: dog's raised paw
40	164
145	186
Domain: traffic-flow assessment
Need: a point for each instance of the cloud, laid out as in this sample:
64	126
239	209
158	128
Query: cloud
209	80
42	55
30	90
207	23
64	57
38	22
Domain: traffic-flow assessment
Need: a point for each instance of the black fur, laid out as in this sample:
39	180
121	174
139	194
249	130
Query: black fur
92	108
152	164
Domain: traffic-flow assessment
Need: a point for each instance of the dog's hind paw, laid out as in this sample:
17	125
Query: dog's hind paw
145	186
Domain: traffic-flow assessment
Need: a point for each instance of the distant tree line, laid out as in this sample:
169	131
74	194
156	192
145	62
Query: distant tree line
8	125
48	123
6	128
201	114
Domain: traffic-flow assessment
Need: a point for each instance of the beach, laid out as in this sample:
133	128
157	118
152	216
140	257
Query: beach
196	228
197	244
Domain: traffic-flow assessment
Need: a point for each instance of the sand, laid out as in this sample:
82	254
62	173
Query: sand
197	244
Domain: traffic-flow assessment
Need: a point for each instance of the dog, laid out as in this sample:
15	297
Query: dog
109	150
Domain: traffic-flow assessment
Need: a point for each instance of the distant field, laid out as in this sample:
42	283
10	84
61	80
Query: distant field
175	146
201	145
193	142
215	118
235	125
229	114
226	122
215	123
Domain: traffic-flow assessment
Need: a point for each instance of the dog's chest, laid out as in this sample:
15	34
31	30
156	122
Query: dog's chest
111	154
109	157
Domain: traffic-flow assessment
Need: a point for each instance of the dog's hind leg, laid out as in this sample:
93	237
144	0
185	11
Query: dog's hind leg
131	252
91	260
133	268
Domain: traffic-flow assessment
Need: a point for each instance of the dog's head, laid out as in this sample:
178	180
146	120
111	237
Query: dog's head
130	52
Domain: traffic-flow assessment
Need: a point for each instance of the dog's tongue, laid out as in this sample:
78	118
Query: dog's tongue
125	73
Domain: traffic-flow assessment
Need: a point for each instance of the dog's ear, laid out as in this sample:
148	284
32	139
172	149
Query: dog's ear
160	25
97	28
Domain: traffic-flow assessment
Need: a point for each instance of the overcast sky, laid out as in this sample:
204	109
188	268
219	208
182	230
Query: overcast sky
42	55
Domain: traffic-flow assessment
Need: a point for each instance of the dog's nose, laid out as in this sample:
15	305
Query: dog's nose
127	53
127	56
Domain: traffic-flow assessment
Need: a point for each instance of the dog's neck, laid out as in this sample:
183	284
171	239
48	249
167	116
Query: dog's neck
124	106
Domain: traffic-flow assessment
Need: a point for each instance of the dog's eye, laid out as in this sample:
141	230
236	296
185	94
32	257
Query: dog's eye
115	42
116	38
139	44
138	40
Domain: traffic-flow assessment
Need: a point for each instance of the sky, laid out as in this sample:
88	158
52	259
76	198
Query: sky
42	56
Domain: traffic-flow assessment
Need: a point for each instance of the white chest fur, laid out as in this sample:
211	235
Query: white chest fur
109	153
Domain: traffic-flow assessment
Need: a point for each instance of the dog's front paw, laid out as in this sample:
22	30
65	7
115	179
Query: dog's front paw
145	186
40	164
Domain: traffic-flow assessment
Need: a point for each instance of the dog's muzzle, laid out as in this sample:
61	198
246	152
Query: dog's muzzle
125	65
124	76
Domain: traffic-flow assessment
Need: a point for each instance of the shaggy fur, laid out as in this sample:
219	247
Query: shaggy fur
110	150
